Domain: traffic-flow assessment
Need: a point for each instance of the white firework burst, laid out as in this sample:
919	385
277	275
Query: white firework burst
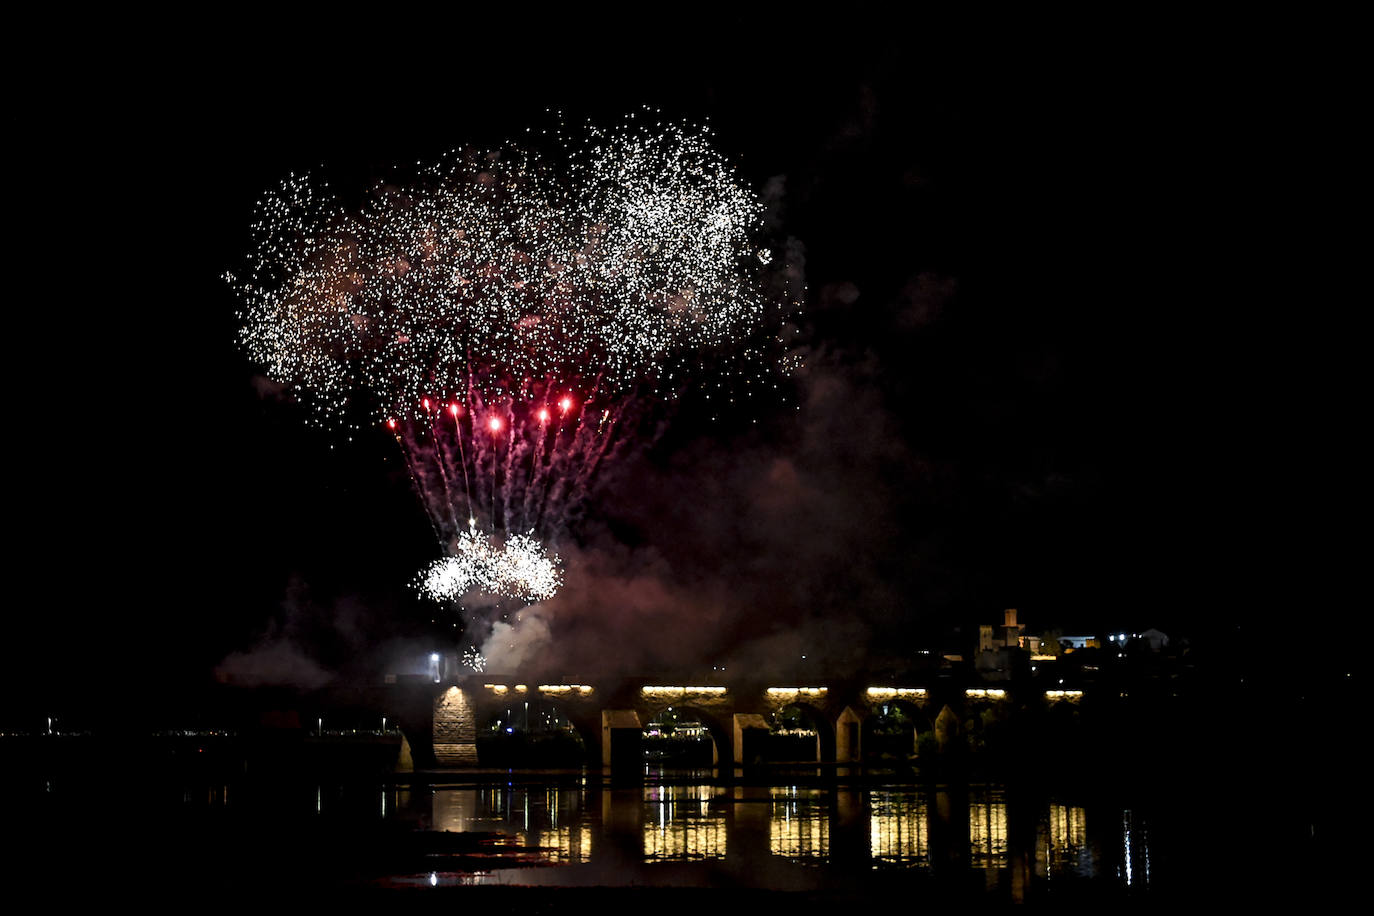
520	568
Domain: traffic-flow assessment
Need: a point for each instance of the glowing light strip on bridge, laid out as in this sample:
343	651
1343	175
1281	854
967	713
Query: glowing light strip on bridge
888	692
996	693
793	691
1063	694
560	689
681	691
554	689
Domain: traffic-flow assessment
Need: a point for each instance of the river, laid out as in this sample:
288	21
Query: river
820	834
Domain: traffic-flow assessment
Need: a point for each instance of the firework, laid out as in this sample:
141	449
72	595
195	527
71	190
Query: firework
511	320
474	659
521	568
488	275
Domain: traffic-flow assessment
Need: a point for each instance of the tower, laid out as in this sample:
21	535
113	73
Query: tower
1011	627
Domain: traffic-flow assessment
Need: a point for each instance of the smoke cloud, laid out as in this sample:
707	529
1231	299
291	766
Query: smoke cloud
738	554
303	645
273	662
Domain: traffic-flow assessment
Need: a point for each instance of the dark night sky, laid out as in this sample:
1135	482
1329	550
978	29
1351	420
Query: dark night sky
1012	399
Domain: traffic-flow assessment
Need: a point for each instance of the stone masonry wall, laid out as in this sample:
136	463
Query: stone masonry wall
455	729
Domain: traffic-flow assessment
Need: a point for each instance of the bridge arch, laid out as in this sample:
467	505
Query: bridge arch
534	731
786	721
719	734
847	721
893	728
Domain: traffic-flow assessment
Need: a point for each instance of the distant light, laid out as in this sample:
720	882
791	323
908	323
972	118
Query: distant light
681	691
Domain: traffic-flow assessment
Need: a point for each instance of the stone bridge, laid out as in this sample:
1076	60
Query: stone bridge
610	716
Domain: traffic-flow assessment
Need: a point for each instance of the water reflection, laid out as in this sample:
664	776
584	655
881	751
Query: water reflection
548	820
915	829
897	830
1135	855
580	830
1062	843
684	823
799	824
987	829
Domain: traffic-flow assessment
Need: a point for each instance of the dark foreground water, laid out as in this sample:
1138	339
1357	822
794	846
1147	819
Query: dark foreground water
184	823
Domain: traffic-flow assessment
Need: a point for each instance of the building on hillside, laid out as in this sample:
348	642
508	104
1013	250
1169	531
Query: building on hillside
999	654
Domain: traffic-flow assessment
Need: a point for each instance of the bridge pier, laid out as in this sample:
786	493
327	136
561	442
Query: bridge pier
750	733
849	736
455	729
622	740
946	728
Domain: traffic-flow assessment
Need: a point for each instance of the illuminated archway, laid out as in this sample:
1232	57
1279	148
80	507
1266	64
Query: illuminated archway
893	730
800	733
531	732
684	736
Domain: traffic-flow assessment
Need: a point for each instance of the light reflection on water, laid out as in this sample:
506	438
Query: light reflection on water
578	830
799	824
898	832
684	823
547	820
987	829
639	833
1061	846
